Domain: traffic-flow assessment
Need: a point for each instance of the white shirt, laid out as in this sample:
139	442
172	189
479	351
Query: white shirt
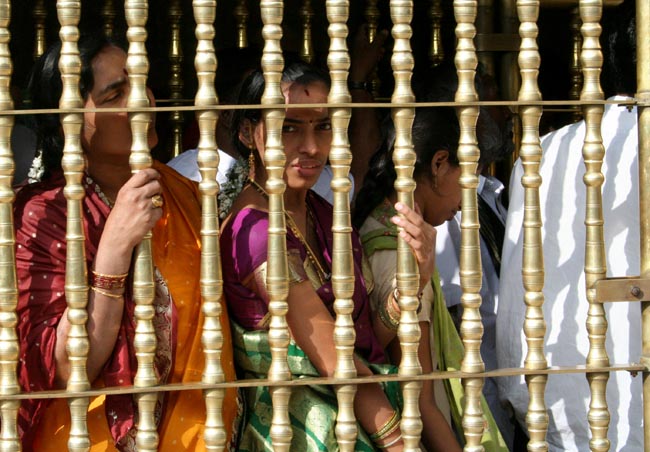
187	165
448	263
562	197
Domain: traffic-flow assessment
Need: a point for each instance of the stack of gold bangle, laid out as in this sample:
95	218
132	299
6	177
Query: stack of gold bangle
391	425
101	283
388	315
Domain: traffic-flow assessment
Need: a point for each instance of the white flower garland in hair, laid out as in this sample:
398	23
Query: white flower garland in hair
37	169
237	177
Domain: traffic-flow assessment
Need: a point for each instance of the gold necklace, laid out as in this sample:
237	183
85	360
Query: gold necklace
322	274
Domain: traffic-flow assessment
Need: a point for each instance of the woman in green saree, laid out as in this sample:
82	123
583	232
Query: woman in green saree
437	196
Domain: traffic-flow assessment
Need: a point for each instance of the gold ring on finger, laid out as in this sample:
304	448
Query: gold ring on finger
157	201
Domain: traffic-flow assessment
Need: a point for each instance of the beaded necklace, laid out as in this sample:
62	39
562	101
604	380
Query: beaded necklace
322	274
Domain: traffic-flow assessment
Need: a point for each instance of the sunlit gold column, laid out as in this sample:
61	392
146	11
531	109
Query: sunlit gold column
593	153
205	63
401	12
9	350
471	327
277	273
436	50
533	257
307	15
338	61
39	14
137	66
371	14
176	79
576	69
241	17
76	277
108	14
643	96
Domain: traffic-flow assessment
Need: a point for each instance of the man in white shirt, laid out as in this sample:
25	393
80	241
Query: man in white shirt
562	200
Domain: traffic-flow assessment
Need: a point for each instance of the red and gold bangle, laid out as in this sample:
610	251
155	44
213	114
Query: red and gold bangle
107	282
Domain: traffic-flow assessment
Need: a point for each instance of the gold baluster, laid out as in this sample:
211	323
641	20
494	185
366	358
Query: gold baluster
576	69
371	14
643	98
76	277
533	258
241	17
470	260
108	14
205	63
39	14
307	15
338	60
176	79
9	349
593	153
436	50
401	12
277	275
137	66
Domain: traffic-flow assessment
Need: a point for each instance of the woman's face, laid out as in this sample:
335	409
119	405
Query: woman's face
306	135
107	136
445	192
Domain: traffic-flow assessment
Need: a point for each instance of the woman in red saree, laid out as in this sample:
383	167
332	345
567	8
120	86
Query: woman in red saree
118	209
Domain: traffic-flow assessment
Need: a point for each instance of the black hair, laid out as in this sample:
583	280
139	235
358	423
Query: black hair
439	84
434	129
619	48
44	92
252	89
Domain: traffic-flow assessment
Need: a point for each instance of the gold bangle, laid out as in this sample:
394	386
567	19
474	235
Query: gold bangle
388	320
390	443
388	426
108	294
390	306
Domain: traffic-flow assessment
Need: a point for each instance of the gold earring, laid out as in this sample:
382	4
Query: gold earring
251	163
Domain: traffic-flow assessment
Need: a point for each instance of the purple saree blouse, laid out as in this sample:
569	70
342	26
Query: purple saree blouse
244	242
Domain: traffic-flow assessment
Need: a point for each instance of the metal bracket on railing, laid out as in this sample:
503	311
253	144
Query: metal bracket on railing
622	289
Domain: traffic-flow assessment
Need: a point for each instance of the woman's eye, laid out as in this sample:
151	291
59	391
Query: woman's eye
113	97
288	129
325	126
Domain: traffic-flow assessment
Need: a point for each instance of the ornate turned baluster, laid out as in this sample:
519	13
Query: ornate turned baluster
176	79
338	61
471	327
137	65
108	14
593	153
371	14
307	15
277	277
533	258
39	14
401	12
205	63
643	109
9	350
241	17
576	69
76	278
436	50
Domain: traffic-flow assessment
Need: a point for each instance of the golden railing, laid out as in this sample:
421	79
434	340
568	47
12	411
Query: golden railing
206	106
